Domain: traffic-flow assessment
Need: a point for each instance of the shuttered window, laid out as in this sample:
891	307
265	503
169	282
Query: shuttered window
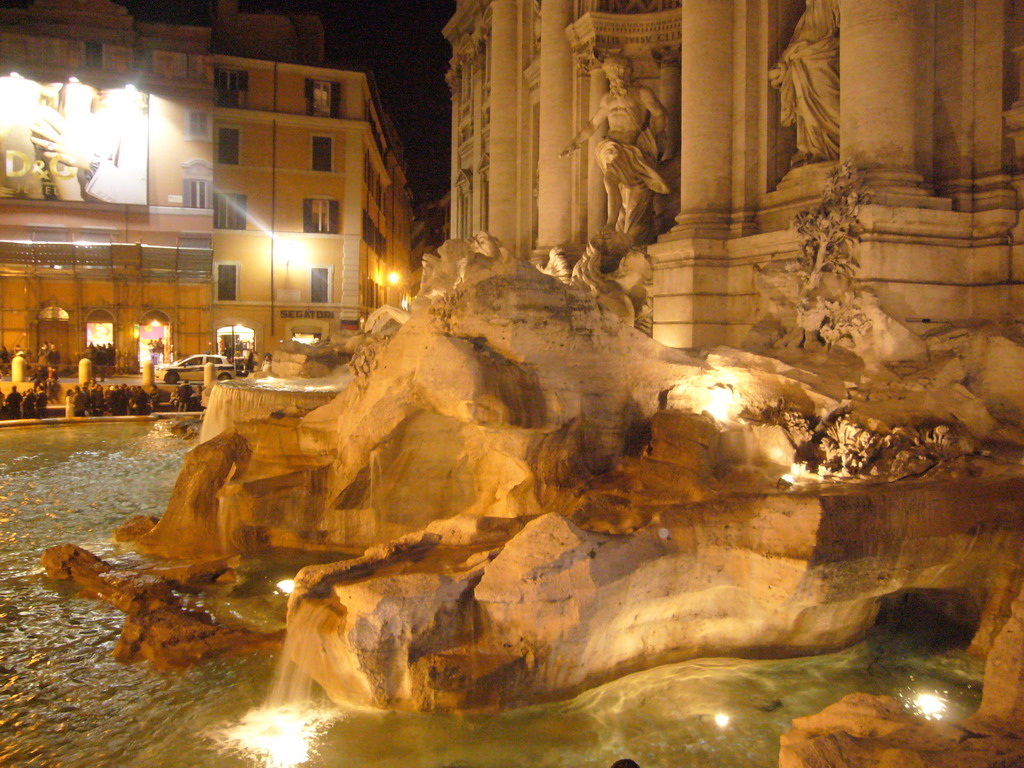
320	216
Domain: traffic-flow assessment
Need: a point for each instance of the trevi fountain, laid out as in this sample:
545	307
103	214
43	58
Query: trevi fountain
517	529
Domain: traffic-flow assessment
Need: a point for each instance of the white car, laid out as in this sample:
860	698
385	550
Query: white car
191	369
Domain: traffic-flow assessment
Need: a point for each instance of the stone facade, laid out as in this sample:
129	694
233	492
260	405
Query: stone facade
931	108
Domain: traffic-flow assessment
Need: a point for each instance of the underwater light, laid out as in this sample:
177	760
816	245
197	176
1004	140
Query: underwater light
286	586
930	705
721	720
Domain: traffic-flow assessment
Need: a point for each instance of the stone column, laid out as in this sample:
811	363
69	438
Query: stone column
454	80
879	100
705	118
554	176
597	198
667	58
501	199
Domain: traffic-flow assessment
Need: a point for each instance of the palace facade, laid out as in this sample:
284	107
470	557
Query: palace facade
760	99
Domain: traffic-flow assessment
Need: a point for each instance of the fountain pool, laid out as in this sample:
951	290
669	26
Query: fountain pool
65	701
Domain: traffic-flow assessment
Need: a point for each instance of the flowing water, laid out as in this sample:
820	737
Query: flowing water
65	702
239	399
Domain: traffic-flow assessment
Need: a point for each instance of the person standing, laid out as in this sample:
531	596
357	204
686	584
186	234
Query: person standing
14	403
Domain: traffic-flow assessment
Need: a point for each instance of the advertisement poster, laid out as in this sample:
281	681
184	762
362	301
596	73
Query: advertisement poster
71	142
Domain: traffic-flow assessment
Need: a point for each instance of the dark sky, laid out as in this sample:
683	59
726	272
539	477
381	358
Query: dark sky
400	41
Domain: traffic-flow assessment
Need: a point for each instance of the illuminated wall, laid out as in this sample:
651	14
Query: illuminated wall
71	142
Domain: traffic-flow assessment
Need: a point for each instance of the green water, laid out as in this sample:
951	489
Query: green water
65	702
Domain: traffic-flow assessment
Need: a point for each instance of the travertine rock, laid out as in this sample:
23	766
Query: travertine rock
175	638
135	527
560	608
157	626
190	528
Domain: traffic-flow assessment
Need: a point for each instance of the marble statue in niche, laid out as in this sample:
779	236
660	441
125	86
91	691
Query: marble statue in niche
628	156
807	75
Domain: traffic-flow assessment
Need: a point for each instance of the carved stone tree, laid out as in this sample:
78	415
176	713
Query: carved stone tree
832	307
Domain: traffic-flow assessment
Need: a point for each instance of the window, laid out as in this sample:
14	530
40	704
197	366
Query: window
323	153
320	215
323	98
227	282
197	178
227	146
229	210
196	193
197	126
94	55
320	285
230	86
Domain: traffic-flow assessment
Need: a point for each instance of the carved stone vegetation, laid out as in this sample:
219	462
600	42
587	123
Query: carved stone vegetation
841	445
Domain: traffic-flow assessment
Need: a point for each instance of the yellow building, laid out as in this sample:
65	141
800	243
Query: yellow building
168	189
311	216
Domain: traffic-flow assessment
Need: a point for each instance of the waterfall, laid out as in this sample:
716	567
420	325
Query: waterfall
235	401
285	730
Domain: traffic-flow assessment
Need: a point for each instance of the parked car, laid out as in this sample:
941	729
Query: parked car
191	369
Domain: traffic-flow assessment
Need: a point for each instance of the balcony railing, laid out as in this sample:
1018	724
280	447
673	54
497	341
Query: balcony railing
121	261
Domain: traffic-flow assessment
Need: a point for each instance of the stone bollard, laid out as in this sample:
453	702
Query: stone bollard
209	374
18	370
84	371
69	405
147	373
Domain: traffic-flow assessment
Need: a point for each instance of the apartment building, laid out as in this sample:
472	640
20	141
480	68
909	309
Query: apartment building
170	189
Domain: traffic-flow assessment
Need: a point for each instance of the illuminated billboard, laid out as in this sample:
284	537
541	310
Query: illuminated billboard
72	142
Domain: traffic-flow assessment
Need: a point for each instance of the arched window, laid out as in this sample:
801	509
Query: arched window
53	313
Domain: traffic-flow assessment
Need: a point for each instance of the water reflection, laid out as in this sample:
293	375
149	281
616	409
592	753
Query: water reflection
276	737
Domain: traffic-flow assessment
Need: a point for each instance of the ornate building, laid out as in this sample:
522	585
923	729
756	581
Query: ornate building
757	107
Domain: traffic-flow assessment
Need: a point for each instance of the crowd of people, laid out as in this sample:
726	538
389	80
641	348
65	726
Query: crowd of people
95	399
30	404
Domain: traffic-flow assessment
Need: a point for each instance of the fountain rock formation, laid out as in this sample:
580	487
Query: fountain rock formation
863	731
158	626
546	498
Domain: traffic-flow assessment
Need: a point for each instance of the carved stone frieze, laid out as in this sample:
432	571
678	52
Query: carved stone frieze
628	6
469	52
618	30
666	56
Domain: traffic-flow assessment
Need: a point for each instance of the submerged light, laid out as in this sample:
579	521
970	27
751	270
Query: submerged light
930	706
287	586
721	720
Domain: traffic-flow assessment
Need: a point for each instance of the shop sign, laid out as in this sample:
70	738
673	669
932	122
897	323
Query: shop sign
307	314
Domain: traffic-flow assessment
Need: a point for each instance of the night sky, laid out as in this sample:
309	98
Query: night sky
399	41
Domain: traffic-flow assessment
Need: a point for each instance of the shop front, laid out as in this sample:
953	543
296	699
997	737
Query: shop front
235	342
307	326
155	339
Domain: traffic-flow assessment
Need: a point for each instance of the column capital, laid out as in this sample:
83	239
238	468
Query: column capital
666	56
454	77
589	56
